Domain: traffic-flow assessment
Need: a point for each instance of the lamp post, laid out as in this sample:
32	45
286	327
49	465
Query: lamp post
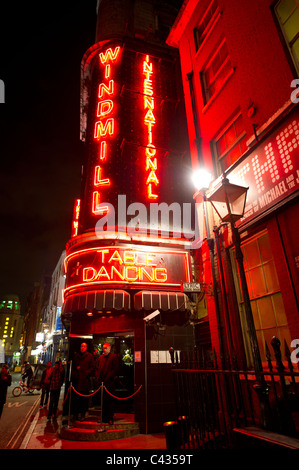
229	201
201	180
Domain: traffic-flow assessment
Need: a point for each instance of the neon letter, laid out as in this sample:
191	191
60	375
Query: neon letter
102	130
109	55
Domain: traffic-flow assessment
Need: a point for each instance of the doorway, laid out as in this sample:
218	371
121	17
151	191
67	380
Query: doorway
122	344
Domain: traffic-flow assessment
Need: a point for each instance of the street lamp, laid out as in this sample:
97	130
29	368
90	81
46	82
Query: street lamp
201	179
229	201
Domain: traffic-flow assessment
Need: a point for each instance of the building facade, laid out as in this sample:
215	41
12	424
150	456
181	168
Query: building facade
53	341
11	322
35	308
239	64
129	254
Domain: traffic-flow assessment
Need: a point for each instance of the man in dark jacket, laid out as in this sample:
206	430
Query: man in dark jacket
56	381
106	370
82	371
5	381
28	372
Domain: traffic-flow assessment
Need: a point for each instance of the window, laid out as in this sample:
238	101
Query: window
206	25
216	73
287	12
264	292
231	144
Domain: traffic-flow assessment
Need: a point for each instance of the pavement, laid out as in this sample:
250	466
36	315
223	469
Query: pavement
44	434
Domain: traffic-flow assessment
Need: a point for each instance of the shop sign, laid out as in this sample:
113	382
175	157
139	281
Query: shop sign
271	171
125	266
191	287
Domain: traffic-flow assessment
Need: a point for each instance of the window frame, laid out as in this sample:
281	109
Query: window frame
219	158
286	42
208	28
207	99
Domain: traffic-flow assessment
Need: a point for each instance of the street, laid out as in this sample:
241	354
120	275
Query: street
17	416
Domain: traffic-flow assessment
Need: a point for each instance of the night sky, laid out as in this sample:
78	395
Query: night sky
42	44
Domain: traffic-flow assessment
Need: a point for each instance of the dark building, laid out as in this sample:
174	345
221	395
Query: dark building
129	251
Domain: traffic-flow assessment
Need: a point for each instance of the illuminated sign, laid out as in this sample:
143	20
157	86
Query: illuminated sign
150	121
271	171
104	127
133	136
75	223
120	265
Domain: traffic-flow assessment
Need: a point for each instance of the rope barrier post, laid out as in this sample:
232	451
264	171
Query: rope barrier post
101	429
102	400
70	390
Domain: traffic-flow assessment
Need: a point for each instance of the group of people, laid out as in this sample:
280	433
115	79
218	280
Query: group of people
104	369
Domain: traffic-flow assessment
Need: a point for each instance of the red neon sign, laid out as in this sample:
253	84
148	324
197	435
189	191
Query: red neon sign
151	165
104	127
120	265
76	213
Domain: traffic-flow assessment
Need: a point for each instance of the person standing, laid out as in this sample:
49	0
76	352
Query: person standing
45	385
82	372
57	377
106	370
5	382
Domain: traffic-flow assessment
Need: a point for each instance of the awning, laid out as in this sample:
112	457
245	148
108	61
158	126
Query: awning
99	300
149	300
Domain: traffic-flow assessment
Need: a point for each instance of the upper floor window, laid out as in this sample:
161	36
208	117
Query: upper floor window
287	12
216	72
231	144
207	23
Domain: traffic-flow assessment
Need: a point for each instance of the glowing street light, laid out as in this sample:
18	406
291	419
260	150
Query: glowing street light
201	179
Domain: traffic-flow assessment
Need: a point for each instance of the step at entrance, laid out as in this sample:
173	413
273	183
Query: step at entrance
90	430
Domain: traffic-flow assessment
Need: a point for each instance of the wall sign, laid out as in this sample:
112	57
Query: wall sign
271	171
133	130
126	266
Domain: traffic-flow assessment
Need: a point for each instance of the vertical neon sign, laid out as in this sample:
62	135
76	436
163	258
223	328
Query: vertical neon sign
151	164
75	224
104	127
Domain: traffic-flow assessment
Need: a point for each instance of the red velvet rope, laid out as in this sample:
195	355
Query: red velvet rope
118	398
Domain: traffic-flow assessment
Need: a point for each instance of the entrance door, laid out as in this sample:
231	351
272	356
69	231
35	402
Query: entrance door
122	344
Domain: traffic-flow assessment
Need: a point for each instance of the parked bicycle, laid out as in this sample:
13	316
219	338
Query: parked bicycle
22	387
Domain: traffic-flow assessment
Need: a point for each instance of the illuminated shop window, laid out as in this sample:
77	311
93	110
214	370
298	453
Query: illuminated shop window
230	145
264	292
287	12
216	72
206	25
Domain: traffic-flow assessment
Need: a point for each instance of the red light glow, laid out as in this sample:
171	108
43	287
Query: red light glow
104	127
76	213
120	265
149	121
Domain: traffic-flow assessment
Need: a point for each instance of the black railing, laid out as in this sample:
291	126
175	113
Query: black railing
211	403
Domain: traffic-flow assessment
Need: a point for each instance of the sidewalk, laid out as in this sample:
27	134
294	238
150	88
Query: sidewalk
44	434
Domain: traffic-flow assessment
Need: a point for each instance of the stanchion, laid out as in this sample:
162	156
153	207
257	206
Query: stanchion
70	397
101	429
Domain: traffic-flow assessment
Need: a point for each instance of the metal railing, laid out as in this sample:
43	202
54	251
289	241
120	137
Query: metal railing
211	402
